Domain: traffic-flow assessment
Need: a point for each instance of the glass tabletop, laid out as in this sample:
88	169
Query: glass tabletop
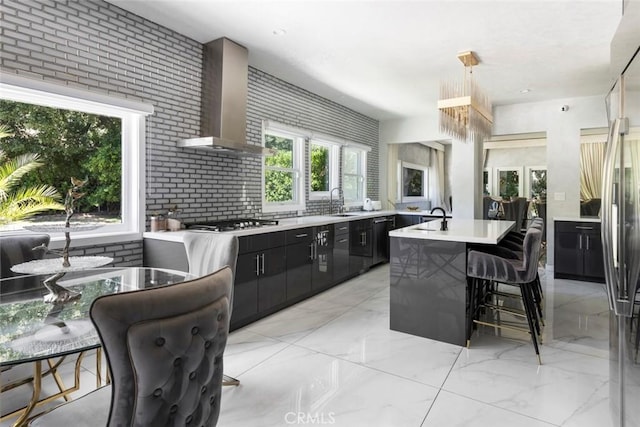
31	329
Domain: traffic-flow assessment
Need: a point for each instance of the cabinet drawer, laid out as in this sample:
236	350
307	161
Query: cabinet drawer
341	228
299	235
579	227
260	242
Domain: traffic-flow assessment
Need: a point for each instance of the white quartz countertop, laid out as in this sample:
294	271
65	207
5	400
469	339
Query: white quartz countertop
283	224
458	230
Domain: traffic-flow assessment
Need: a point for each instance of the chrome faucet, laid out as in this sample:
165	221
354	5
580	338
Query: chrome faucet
331	200
443	226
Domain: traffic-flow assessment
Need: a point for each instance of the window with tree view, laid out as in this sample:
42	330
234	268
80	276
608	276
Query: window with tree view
320	167
50	134
43	147
282	172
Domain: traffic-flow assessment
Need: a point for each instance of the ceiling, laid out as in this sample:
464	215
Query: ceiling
386	59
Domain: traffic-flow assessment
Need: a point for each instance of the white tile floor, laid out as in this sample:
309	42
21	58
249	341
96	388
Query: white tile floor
332	360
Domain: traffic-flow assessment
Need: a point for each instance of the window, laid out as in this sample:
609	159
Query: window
113	129
323	168
509	182
354	174
283	185
414	182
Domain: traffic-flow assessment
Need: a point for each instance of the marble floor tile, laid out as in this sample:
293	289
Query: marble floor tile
298	321
363	336
452	410
246	349
505	374
298	386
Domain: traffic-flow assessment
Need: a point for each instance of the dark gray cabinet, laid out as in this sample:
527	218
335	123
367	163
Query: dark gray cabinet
299	262
578	251
341	252
278	269
360	245
381	227
260	282
322	257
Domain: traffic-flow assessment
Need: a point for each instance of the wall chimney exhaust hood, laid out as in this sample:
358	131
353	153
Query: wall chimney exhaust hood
223	109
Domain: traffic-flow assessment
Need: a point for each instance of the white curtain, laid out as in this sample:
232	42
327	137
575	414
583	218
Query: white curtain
591	166
437	177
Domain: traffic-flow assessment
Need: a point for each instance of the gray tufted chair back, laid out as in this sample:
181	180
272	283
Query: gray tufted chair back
18	248
164	346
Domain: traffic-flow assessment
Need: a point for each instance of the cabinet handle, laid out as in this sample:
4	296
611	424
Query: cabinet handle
311	251
257	265
580	241
301	235
378	221
587	242
363	238
343	240
343	228
583	227
262	268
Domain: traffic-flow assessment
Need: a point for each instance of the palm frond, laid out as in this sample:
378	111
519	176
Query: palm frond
12	171
26	202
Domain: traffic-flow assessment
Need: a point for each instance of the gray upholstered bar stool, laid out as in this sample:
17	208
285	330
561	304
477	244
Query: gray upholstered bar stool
484	268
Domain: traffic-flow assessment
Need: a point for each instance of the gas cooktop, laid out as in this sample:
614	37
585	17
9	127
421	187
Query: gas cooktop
231	224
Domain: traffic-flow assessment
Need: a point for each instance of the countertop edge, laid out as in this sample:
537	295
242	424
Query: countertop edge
284	225
414	232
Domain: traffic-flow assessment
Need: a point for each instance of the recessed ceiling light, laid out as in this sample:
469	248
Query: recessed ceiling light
525	91
279	32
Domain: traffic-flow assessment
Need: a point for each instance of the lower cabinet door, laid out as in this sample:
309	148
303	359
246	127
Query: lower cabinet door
341	258
593	256
299	264
245	290
568	253
272	286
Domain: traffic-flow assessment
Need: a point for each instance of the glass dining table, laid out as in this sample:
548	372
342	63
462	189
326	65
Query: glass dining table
34	331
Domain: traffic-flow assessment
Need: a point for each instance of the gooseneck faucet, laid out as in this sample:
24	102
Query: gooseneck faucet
443	226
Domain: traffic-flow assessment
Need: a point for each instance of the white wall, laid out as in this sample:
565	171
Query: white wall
563	146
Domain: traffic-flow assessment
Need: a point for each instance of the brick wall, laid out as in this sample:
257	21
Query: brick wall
96	46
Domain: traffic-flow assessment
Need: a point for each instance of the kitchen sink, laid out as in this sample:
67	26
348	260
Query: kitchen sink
342	214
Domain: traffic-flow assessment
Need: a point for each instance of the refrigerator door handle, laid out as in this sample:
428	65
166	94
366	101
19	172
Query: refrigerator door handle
609	252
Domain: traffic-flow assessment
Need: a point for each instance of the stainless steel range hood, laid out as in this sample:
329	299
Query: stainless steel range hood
223	109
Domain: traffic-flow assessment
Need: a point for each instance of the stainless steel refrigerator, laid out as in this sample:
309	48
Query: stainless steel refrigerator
621	219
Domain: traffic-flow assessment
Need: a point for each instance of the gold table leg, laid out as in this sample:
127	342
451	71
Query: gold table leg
25	412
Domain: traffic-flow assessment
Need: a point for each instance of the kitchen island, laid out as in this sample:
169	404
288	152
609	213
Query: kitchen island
428	276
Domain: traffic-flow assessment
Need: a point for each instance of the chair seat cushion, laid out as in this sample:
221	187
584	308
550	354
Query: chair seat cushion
491	267
91	409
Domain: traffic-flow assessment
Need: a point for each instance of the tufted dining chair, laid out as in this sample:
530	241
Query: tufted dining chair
207	252
19	248
16	249
164	347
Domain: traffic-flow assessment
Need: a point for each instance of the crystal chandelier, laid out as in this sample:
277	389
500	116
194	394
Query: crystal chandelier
465	111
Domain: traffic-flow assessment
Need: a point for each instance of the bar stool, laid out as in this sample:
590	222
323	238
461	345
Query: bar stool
485	268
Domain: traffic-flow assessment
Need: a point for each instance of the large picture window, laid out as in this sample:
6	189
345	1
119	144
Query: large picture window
82	135
283	183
